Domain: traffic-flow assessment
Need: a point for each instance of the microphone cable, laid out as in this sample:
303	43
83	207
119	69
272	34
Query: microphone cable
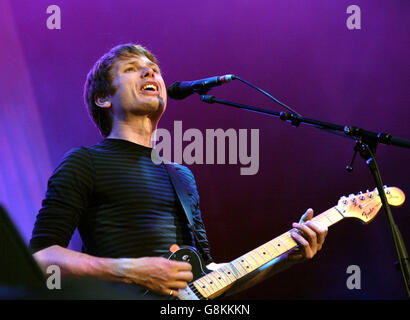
268	95
287	107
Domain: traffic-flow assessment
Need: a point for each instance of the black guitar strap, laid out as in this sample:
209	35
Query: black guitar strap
182	196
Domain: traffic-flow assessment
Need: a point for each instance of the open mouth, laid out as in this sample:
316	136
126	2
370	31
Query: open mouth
150	86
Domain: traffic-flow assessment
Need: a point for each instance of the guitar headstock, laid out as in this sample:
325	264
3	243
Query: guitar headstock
365	206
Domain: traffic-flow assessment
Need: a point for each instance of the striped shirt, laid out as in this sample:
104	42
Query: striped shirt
122	203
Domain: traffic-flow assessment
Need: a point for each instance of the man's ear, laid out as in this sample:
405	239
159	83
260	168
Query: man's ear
102	102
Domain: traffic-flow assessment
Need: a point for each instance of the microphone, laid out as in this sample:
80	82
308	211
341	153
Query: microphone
182	89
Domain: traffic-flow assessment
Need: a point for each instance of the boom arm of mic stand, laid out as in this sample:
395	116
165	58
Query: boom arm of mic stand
295	120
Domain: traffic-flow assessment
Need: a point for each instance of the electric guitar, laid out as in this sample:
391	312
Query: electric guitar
209	284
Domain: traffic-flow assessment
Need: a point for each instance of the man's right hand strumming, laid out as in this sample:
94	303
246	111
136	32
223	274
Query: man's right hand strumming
157	274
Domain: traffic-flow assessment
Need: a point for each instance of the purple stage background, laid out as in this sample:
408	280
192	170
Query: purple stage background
299	51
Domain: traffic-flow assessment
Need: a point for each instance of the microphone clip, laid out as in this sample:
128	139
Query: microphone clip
293	118
207	98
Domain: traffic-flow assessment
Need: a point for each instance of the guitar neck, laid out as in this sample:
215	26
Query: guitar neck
214	283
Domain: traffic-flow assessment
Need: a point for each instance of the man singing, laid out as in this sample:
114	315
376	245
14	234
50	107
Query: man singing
124	206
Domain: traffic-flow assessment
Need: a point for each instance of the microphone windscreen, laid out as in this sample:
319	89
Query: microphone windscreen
174	91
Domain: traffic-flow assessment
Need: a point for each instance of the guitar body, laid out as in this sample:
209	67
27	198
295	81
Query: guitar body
192	256
199	269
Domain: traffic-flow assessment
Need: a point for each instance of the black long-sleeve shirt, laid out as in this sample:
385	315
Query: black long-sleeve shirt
123	204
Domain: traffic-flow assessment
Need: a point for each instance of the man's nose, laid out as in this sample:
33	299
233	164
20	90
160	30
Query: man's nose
148	73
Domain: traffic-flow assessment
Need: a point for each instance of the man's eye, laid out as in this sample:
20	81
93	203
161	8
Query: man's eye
129	69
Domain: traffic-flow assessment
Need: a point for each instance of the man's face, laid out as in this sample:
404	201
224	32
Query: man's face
140	89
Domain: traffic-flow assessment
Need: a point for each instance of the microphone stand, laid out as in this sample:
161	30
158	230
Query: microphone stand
366	144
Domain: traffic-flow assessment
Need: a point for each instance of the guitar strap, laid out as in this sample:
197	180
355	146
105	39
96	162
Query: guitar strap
183	198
